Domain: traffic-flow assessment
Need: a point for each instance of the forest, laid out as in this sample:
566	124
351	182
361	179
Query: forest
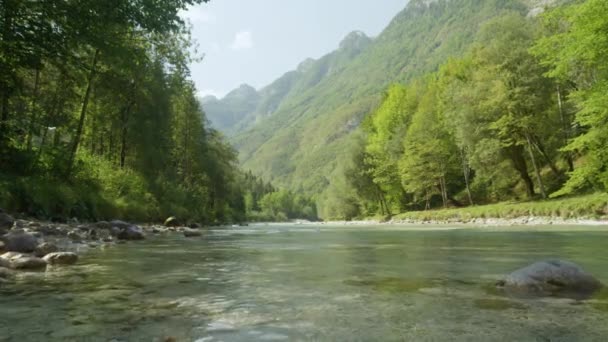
100	120
523	115
482	103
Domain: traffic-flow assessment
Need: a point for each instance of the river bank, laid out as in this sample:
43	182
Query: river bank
31	245
589	210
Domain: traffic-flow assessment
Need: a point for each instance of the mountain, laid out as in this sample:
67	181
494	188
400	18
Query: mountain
303	124
245	107
226	113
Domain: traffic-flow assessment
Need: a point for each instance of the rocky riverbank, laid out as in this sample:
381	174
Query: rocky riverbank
30	245
479	222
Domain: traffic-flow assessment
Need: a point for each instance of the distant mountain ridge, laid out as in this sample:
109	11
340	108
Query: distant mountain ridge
243	107
302	124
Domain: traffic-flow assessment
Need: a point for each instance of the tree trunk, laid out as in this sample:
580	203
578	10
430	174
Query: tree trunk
444	192
33	110
4	118
539	178
519	163
83	113
466	171
565	127
541	149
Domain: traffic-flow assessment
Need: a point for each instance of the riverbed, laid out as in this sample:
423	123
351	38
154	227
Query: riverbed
311	283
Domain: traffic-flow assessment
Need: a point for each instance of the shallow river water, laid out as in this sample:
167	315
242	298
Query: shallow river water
311	283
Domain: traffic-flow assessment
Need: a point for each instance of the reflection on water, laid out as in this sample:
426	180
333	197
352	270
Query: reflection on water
276	283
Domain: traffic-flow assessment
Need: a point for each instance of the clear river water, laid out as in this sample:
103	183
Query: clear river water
311	283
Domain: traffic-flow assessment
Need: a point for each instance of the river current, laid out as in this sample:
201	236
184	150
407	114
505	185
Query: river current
311	283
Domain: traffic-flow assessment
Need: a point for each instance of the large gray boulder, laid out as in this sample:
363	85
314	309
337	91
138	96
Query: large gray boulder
126	231
551	278
120	224
131	233
61	258
20	242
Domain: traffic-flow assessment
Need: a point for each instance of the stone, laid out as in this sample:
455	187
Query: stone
551	278
75	236
44	249
24	262
120	224
61	258
195	225
172	222
2	247
20	242
192	232
130	233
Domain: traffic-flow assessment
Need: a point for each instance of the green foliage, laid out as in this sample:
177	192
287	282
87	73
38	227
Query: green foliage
99	118
576	50
590	206
264	203
297	141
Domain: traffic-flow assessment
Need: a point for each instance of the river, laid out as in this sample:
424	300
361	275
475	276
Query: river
311	283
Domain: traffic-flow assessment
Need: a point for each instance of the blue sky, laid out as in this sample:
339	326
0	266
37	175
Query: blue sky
255	42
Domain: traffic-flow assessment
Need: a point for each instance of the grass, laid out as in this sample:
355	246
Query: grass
593	206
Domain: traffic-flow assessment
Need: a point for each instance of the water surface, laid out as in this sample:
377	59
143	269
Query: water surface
311	283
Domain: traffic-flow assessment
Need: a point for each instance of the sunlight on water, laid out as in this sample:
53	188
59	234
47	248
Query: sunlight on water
282	282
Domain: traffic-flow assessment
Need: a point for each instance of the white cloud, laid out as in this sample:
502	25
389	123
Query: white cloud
243	40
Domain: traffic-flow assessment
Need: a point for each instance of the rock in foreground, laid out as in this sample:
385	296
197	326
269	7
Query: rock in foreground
551	278
20	261
61	258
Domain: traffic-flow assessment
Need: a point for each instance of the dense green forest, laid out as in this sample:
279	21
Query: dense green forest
99	118
456	103
522	115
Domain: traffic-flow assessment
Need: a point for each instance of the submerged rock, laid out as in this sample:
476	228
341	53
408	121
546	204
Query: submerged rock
20	242
61	258
551	278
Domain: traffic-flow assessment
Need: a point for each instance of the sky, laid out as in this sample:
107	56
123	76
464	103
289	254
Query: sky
257	41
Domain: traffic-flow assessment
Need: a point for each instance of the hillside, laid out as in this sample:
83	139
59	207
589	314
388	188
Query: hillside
303	124
245	107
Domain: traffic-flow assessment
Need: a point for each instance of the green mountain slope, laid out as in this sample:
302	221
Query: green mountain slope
244	107
301	143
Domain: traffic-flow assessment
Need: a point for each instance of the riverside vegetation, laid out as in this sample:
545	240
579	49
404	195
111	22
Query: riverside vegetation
99	120
457	103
